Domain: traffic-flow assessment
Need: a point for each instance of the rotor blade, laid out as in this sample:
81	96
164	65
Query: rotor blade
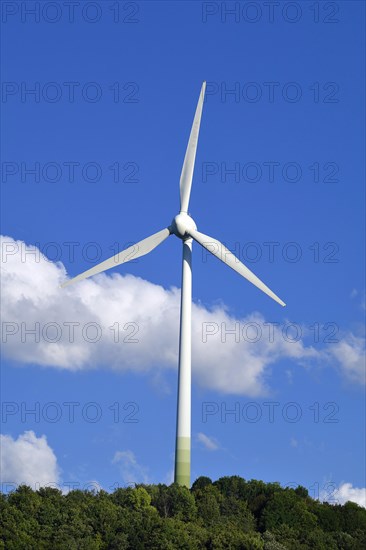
135	251
220	251
188	164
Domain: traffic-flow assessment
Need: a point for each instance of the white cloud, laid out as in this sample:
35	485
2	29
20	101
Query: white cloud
64	321
28	459
344	493
350	356
130	470
210	443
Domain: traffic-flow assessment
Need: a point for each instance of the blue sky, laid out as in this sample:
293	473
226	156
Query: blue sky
106	131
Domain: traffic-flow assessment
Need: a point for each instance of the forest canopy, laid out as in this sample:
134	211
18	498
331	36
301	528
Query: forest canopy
230	513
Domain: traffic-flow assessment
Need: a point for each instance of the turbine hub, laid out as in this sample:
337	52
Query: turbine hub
181	224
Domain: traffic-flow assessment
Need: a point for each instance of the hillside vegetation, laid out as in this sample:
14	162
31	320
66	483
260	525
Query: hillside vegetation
230	513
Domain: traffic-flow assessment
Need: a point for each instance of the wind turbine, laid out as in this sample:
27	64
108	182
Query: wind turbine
183	227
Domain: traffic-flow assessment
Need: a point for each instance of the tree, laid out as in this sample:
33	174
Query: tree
228	514
301	491
208	501
354	517
285	507
137	499
233	486
238	512
201	483
175	501
231	538
271	543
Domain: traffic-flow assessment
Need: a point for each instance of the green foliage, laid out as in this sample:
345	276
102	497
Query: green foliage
209	501
286	507
230	513
301	491
137	499
201	483
271	543
173	501
232	538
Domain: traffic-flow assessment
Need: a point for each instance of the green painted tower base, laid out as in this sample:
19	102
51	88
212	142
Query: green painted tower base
183	461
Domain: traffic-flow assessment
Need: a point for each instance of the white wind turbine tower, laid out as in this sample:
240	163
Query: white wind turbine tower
184	227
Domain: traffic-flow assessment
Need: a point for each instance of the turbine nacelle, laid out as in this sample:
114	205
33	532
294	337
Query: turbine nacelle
182	225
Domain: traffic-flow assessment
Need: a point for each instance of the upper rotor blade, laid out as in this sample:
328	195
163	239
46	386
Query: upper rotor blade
220	251
188	164
135	251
